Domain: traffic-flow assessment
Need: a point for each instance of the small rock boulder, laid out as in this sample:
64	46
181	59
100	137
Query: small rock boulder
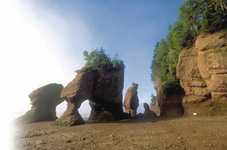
148	114
131	100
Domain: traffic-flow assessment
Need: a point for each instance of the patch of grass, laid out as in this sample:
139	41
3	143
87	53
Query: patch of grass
62	123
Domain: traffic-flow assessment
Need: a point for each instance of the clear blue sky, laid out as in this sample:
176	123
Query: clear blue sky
128	28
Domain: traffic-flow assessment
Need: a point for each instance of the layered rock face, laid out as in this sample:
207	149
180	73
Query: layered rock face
103	88
44	101
131	100
202	69
190	79
212	63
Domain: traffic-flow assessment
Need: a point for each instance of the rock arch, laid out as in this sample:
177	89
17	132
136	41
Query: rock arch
85	110
102	87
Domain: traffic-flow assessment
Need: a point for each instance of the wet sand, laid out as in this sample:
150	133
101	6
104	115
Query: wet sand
186	133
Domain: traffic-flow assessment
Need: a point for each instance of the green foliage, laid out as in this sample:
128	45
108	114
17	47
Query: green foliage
61	123
204	15
195	16
117	63
215	15
159	62
219	5
97	59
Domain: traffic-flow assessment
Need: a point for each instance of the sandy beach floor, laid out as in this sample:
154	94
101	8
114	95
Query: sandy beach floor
186	133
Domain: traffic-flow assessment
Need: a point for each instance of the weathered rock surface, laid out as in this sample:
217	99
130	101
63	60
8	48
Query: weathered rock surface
102	87
75	93
212	63
44	101
101	116
170	104
148	114
190	79
107	92
154	106
202	71
131	100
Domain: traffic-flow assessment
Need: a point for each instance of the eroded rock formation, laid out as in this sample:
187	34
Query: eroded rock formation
131	100
190	79
170	101
76	92
44	101
154	106
212	63
102	87
202	71
148	114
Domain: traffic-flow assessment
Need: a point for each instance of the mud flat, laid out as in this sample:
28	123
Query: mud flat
186	133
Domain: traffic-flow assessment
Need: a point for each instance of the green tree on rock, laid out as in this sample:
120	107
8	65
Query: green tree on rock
97	59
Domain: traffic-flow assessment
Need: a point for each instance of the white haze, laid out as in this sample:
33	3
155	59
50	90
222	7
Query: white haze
33	53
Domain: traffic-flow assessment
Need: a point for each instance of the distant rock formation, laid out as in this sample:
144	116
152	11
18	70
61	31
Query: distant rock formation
131	100
148	114
44	101
154	106
102	87
170	103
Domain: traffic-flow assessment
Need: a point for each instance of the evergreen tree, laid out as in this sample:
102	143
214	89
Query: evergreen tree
195	16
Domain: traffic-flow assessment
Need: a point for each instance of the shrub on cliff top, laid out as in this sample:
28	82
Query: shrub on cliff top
97	59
